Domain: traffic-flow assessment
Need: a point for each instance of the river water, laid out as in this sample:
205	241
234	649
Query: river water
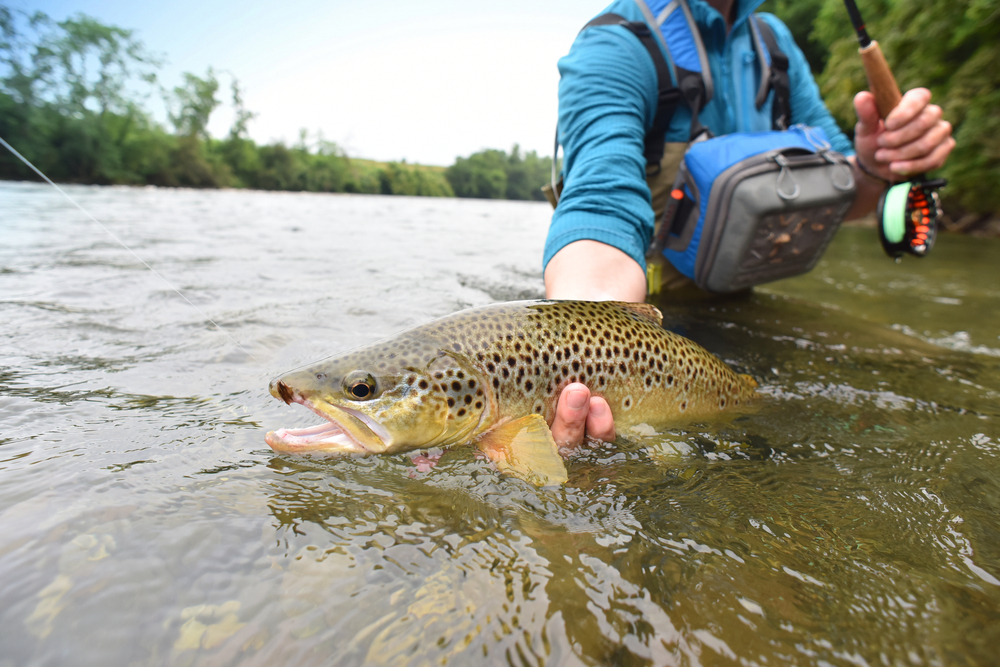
852	519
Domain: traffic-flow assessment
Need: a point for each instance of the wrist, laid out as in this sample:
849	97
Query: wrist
871	174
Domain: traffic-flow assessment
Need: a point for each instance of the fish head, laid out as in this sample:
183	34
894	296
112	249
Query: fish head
375	404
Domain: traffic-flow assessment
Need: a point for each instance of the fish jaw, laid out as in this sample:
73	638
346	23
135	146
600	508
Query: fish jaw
346	431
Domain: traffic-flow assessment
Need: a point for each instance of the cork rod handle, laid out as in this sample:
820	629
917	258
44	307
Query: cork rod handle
880	79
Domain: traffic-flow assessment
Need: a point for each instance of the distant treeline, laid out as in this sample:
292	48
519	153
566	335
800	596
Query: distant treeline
73	98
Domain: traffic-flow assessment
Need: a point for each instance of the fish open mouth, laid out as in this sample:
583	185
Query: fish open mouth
322	437
353	433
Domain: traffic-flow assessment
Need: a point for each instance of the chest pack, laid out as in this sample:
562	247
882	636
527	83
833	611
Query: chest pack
740	209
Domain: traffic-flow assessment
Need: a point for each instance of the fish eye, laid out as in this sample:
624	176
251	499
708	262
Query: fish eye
360	385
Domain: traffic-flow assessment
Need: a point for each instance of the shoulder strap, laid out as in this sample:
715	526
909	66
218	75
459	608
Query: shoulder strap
774	77
668	96
687	54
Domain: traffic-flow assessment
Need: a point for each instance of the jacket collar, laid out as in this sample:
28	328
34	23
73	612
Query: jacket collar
708	17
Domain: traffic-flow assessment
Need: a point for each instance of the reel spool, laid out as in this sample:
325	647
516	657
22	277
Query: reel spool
907	217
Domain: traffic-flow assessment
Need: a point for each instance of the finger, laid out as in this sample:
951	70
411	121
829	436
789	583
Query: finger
909	107
921	147
570	421
868	120
929	163
600	421
928	118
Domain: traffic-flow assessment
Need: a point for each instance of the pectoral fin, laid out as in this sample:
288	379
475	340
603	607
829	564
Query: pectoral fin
525	448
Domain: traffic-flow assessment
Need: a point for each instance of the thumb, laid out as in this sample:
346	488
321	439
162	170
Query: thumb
869	123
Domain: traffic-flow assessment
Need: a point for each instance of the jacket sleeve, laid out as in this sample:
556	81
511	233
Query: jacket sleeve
607	94
807	105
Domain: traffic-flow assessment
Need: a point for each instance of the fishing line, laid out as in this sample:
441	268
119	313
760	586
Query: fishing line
132	252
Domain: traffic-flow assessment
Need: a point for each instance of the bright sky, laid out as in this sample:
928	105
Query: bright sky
422	81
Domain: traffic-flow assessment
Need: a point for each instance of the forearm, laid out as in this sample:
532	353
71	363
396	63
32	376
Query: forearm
594	271
600	231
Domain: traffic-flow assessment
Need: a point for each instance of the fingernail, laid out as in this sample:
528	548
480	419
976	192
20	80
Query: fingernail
598	408
880	156
577	399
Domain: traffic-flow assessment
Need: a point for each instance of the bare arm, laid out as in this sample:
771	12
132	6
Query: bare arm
594	271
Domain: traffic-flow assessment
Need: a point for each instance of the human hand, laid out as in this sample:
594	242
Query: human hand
913	139
578	414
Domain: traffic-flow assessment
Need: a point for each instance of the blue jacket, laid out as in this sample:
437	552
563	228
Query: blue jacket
607	102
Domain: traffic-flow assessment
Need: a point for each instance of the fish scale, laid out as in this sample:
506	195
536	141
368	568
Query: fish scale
529	352
493	375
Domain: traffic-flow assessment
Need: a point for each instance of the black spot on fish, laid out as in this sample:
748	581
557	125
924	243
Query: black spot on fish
528	386
456	385
496	383
451	402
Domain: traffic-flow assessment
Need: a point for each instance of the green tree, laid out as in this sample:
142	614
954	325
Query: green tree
119	58
800	17
70	93
192	104
482	175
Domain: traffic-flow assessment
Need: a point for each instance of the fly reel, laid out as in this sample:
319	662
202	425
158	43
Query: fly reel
908	216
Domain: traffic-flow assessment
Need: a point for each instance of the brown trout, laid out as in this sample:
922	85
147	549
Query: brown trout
492	375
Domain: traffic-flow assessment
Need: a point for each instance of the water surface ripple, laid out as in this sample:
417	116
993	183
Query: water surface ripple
852	519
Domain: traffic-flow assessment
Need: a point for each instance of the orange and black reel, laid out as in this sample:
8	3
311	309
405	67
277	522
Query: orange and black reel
907	217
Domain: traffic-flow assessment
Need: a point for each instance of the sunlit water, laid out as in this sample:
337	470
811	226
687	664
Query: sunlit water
852	519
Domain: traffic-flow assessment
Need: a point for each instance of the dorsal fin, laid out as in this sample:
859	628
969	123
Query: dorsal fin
646	310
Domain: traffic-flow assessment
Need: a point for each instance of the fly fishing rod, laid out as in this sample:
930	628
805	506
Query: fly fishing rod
908	212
